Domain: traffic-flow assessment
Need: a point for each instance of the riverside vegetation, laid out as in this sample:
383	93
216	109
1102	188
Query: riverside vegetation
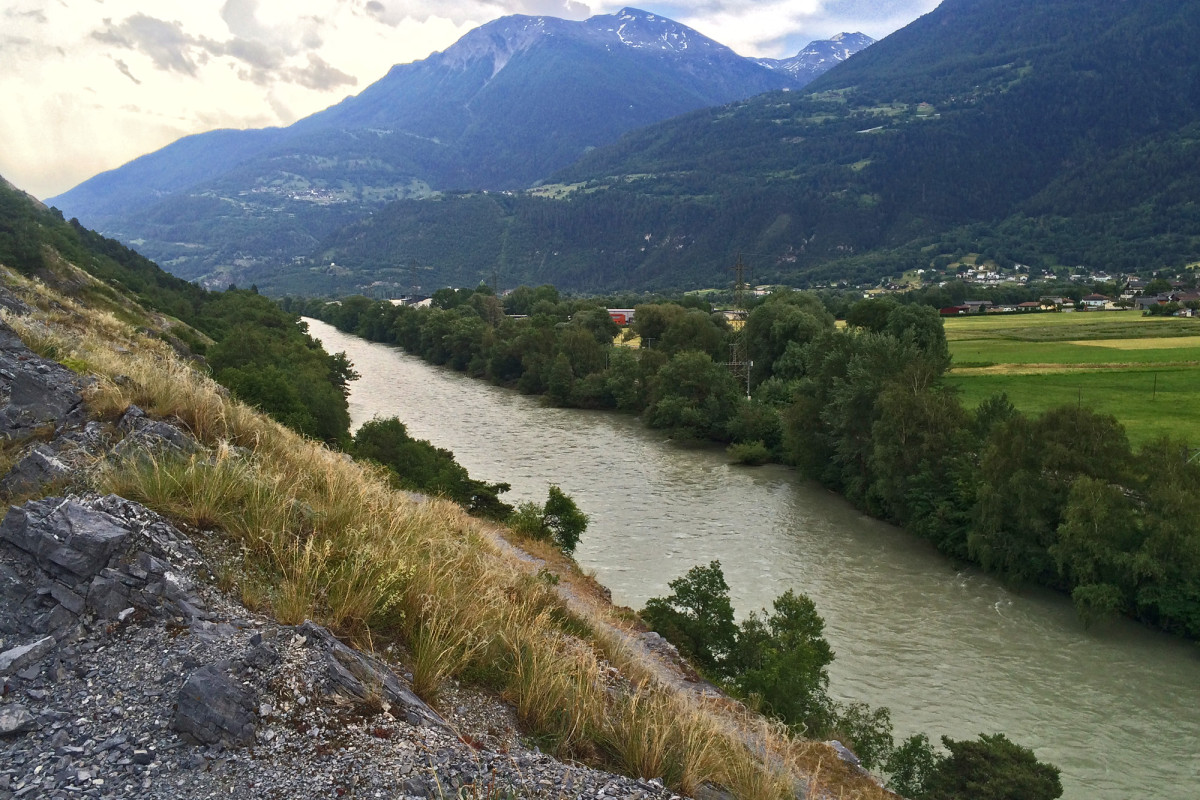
1059	499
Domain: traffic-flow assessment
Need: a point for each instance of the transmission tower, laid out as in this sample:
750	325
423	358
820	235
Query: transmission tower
739	362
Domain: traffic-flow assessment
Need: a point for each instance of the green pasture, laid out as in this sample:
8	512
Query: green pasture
1035	327
1111	352
1145	371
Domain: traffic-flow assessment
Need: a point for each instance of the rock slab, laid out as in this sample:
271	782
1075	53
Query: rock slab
212	709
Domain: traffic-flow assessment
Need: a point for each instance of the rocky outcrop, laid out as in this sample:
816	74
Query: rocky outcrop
35	393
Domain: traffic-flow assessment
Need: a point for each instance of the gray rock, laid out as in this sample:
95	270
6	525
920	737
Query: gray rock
21	657
844	753
34	392
15	720
212	709
107	597
64	535
361	677
70	600
39	467
152	436
14	304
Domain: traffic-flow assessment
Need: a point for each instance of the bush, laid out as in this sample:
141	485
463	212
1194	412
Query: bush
752	454
559	520
563	519
527	521
993	768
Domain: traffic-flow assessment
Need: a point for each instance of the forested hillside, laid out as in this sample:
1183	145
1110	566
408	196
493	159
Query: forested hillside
1048	133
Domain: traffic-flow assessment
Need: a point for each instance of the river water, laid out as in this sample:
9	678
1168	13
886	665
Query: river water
950	651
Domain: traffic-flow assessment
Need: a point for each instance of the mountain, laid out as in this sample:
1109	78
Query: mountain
508	104
818	57
1044	132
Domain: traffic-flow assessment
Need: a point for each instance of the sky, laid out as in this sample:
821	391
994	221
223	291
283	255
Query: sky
87	85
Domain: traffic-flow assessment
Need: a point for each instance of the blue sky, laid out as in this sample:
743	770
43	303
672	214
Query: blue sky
88	85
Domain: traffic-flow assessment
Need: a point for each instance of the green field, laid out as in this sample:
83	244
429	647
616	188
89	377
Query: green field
1145	371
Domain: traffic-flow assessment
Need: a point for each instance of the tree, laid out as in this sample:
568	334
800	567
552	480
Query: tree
1026	473
910	765
563	519
559	381
784	318
921	325
780	660
993	768
693	396
871	313
697	617
419	466
1096	545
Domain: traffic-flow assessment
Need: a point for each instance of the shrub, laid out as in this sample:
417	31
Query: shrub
564	520
559	520
751	454
993	768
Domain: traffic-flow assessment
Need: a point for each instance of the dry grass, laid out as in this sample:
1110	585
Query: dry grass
321	537
1141	344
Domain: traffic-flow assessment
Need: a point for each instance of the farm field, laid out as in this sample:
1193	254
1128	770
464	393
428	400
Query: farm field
1145	371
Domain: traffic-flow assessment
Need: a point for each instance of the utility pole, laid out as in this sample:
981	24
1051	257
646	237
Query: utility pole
739	363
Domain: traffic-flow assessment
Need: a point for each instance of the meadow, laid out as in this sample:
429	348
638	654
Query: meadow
1145	371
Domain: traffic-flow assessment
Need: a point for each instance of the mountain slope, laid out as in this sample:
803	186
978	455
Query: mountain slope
1054	133
508	104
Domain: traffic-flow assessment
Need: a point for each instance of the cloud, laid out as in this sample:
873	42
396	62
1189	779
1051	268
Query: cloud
123	68
164	42
393	12
37	15
262	54
320	76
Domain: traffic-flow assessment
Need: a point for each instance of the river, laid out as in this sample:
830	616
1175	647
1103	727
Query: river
950	651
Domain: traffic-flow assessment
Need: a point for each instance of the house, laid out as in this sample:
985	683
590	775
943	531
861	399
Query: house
977	306
1095	302
1147	301
1030	305
954	311
621	316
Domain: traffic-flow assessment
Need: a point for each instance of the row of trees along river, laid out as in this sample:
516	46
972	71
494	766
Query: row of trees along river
856	409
